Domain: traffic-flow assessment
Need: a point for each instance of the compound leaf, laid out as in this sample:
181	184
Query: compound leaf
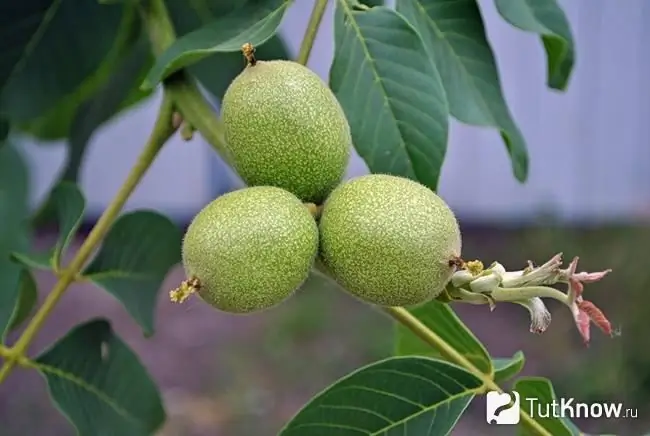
454	36
399	396
254	23
133	261
391	93
546	18
441	319
99	384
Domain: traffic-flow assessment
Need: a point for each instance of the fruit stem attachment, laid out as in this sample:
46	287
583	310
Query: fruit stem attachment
162	131
186	288
409	321
314	209
312	30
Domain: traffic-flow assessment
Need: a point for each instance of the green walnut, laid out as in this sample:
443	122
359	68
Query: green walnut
388	240
285	128
248	250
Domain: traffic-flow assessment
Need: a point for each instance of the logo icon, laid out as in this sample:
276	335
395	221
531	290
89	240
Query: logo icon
498	410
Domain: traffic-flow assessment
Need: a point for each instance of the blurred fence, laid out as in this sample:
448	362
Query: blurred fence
589	147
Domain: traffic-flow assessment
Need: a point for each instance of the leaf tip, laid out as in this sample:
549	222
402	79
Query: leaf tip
559	84
520	170
148	82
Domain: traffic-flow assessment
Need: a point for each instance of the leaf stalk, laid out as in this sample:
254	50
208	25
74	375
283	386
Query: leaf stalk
312	30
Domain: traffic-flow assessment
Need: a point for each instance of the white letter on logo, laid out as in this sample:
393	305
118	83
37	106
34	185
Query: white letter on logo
582	410
567	410
596	410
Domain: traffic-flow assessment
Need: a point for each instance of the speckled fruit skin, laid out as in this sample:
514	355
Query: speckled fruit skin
388	240
285	128
250	249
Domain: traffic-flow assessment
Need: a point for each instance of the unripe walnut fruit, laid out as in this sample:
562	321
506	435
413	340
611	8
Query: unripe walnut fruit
388	240
285	128
250	249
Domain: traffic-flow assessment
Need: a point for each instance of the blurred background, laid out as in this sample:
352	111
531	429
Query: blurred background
588	195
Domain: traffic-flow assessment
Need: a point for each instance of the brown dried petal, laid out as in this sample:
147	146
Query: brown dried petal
596	315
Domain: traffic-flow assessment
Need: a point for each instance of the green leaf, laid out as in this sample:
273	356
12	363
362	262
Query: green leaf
505	368
133	261
41	260
121	91
189	16
58	122
391	93
255	24
53	55
99	384
442	320
14	233
27	297
66	204
4	129
541	390
454	35
405	396
372	3
10	292
217	71
545	17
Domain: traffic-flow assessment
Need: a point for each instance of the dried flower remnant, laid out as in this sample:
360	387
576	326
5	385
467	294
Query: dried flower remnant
528	287
540	317
186	288
584	312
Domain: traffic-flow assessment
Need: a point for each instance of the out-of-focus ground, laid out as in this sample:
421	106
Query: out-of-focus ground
224	375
